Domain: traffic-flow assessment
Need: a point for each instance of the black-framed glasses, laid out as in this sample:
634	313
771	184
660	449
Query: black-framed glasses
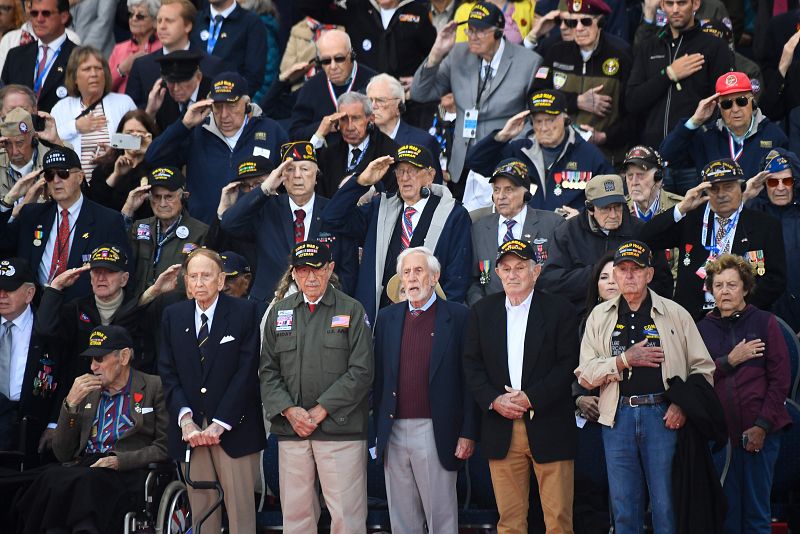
586	22
46	13
50	174
774	182
335	59
137	16
740	101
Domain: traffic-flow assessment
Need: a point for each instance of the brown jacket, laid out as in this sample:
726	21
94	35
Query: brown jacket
145	443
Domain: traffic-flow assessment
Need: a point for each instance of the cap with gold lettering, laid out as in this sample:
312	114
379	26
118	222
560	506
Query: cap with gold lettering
722	170
107	338
298	151
110	257
310	253
550	101
635	251
170	178
228	87
416	155
521	249
253	166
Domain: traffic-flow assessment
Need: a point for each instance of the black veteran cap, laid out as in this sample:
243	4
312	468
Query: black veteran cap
485	15
513	169
107	338
61	157
179	66
635	251
522	249
170	178
13	273
644	157
228	87
298	151
310	253
722	170
234	264
110	257
550	101
719	29
605	189
416	155
253	166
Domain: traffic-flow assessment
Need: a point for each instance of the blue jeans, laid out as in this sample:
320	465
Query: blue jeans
747	488
639	451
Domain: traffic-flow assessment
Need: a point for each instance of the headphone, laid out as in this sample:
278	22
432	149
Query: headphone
659	174
589	205
401	107
498	33
528	196
601	22
424	191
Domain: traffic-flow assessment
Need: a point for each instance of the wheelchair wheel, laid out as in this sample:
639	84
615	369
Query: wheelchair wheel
174	513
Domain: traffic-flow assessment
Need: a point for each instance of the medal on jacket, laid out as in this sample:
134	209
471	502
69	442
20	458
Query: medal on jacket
686	259
483	266
557	177
756	258
137	399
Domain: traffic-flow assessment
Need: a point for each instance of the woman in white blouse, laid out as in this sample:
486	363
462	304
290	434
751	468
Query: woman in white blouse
86	118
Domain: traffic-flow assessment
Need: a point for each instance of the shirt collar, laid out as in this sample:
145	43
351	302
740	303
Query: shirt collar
495	63
425	306
519	217
396	127
209	312
56	43
166	51
645	307
451	7
24	319
525	304
308	207
419	206
305	299
361	146
224	13
73	210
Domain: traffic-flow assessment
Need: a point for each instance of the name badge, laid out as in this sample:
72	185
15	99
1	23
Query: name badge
470	123
284	321
259	151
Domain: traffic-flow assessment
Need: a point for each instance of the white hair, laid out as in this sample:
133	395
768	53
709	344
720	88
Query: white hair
352	97
395	87
151	5
433	261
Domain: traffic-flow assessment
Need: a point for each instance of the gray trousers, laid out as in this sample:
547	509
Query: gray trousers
419	489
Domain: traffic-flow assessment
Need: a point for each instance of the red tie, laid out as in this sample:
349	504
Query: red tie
61	252
312	307
42	65
299	227
408	230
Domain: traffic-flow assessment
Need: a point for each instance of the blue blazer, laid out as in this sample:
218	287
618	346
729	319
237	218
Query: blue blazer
96	225
453	410
409	135
270	223
227	386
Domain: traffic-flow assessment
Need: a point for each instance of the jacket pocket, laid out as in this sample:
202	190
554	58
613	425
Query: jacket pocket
337	353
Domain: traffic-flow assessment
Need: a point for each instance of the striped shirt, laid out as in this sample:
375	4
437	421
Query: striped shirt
91	142
116	413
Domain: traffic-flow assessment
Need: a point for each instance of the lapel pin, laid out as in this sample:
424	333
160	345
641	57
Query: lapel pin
86	235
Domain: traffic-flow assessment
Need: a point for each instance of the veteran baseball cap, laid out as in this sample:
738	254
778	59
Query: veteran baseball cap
170	178
635	251
416	155
253	166
719	29
774	161
588	7
298	151
733	82
550	101
110	257
310	253
485	15
14	272
605	189
228	87
16	122
521	249
107	338
513	169
644	157
722	170
234	264
61	157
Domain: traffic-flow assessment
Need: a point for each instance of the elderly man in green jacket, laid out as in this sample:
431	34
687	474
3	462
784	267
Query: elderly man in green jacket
316	371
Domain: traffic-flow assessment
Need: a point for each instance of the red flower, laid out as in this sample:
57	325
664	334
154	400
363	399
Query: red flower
137	397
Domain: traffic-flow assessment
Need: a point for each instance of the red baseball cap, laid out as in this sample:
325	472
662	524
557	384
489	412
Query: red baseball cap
733	82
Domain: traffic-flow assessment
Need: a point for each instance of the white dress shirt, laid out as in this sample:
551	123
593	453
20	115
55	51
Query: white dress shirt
50	246
495	63
20	340
361	146
52	47
516	230
516	324
419	206
308	207
224	12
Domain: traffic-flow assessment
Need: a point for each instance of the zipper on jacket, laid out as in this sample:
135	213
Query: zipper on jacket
669	91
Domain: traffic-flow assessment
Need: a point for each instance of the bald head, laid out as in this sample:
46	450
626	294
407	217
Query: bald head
334	53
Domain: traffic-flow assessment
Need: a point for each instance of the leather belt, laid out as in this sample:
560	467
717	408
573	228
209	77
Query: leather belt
643	400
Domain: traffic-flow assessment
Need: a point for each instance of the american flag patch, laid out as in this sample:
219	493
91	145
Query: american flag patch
542	73
340	321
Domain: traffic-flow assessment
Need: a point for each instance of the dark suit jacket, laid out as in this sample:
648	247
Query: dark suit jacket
20	66
95	225
453	410
145	71
333	161
226	387
145	443
269	221
551	354
755	231
409	135
169	111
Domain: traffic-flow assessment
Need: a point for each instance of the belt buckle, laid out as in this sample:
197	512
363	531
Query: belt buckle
630	401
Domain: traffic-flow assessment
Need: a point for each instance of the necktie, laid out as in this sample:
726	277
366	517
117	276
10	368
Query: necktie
5	360
779	7
487	72
40	70
721	224
213	35
312	307
408	229
415	312
202	337
299	227
509	234
354	158
61	252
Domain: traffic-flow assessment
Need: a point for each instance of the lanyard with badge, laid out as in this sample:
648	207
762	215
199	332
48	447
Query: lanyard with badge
161	240
471	115
715	249
352	166
349	87
213	34
38	77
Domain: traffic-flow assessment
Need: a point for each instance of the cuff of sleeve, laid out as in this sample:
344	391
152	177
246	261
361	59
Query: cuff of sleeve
226	426
691	125
726	367
676	214
52	425
316	141
183	412
763	423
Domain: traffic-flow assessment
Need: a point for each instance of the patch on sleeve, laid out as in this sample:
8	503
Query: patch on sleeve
542	73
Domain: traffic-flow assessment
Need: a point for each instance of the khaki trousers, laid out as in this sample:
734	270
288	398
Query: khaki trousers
237	476
342	470
511	482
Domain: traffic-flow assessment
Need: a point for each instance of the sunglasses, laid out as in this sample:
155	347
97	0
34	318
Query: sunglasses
740	101
137	16
50	174
335	59
45	13
774	182
586	22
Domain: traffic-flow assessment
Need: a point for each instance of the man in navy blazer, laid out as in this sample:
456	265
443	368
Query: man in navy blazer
209	367
275	222
427	421
50	242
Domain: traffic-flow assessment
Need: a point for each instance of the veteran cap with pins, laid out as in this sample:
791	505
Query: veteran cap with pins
722	170
550	101
251	167
228	87
298	151
484	15
16	122
416	155
312	253
521	249
170	178
14	272
109	257
605	189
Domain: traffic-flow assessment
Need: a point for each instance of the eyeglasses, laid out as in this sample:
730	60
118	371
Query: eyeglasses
472	32
381	102
774	182
137	16
50	174
741	101
586	22
335	59
45	13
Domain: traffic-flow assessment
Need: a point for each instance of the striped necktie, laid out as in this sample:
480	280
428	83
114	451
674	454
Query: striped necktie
408	229
202	337
509	233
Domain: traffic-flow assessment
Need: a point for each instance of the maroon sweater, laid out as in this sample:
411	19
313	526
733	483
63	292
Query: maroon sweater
413	400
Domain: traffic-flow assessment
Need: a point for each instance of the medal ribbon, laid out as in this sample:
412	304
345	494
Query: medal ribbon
735	155
349	87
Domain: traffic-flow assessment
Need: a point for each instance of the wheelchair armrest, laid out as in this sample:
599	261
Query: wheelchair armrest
161	467
12	455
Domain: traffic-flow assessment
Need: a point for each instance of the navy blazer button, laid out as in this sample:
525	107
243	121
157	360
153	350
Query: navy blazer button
391	416
202	390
